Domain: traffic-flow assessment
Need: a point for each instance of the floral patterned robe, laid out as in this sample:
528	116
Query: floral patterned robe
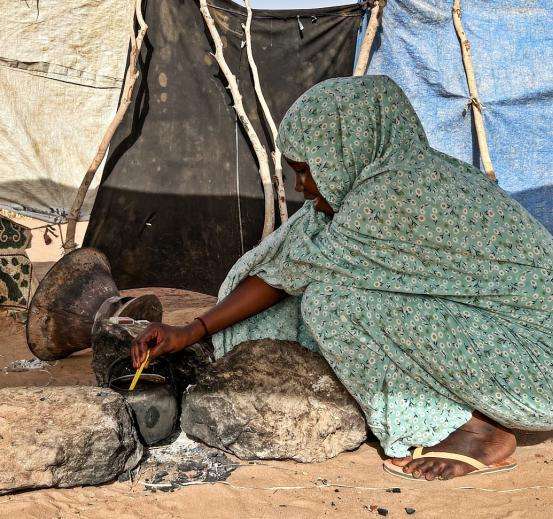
429	292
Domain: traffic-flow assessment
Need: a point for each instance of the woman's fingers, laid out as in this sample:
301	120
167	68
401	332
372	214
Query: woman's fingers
159	338
136	356
135	353
141	344
133	356
161	348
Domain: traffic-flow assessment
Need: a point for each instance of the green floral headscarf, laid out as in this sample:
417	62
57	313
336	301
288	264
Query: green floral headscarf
342	126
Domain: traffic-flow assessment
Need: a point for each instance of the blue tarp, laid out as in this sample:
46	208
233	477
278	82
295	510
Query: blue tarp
512	49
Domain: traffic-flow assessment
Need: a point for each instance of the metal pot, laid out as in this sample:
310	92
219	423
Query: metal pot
153	401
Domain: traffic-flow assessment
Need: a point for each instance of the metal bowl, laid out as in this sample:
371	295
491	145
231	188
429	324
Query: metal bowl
153	402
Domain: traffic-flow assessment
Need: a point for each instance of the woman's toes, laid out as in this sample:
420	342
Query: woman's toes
417	468
448	472
412	466
401	462
435	471
426	469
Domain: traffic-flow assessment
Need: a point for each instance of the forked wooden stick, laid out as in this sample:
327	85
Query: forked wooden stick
276	154
473	91
259	149
130	80
368	39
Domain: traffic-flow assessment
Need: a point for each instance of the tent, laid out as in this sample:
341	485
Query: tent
180	197
61	73
181	182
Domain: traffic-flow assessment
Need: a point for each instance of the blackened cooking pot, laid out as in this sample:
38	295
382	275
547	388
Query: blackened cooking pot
153	401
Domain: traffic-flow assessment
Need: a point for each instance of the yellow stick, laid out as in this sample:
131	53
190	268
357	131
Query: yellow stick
139	371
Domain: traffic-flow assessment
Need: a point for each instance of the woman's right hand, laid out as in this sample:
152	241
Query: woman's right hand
160	339
250	297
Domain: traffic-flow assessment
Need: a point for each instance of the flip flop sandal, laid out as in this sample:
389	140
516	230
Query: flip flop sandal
503	466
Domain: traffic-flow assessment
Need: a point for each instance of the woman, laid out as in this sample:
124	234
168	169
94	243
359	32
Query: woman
425	287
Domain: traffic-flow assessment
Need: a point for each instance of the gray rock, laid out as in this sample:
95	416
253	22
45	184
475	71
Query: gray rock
63	437
109	344
273	400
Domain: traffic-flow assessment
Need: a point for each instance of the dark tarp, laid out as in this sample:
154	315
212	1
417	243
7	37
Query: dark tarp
181	198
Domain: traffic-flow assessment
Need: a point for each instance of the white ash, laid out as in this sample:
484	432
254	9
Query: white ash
182	445
184	462
27	365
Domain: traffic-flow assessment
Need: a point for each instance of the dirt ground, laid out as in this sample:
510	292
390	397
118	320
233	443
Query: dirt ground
351	485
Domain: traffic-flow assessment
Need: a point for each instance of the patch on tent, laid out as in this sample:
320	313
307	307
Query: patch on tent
15	266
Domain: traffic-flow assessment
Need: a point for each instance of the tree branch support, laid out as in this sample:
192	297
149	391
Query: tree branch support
130	79
473	91
276	154
368	39
259	149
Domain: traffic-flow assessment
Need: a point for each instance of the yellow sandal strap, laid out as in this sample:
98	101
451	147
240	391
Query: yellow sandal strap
417	453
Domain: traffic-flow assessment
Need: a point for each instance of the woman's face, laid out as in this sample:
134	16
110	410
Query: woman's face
306	184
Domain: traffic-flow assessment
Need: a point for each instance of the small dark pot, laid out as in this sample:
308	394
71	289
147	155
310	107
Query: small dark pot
153	401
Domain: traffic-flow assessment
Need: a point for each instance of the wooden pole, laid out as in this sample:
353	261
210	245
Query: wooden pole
368	39
473	91
130	80
259	149
276	155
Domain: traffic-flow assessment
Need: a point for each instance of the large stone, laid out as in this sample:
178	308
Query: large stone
273	400
63	437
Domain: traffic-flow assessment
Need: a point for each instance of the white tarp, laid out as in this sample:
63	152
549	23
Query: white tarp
62	64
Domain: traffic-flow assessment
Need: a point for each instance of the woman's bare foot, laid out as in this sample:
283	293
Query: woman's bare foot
480	438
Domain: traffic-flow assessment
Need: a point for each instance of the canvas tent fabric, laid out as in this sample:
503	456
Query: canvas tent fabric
181	199
513	61
61	73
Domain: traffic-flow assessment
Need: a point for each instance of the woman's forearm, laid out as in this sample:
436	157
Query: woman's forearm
250	297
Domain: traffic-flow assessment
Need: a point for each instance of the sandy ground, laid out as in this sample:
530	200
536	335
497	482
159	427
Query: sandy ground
349	485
